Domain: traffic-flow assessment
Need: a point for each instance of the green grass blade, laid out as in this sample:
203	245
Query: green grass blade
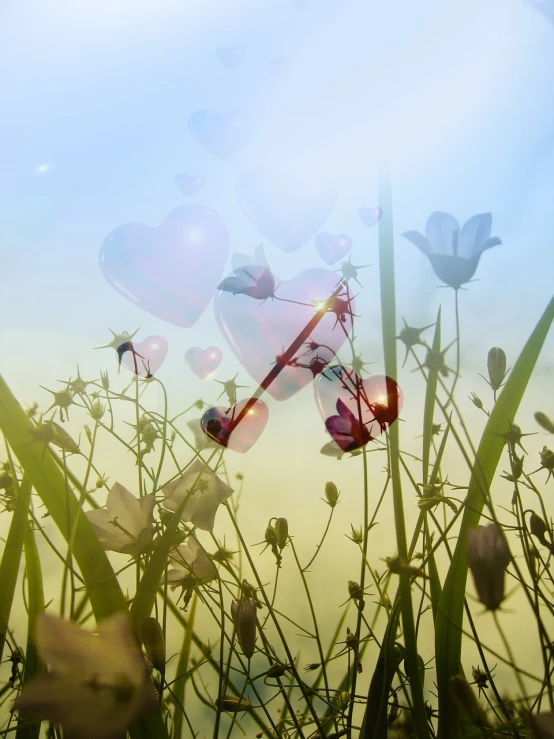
388	318
105	594
44	475
35	589
11	558
182	667
450	616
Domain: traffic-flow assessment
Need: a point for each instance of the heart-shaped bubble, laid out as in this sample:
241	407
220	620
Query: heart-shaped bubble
171	270
190	184
287	209
145	358
355	411
238	427
221	134
258	333
230	56
370	216
203	361
332	248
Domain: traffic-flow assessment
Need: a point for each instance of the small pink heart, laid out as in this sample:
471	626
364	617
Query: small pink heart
145	358
190	184
230	56
203	361
332	248
233	429
356	411
370	216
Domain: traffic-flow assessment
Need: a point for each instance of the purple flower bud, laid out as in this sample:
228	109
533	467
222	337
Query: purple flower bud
488	557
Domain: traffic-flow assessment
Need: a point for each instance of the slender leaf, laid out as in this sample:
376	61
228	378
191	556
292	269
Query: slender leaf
9	567
388	319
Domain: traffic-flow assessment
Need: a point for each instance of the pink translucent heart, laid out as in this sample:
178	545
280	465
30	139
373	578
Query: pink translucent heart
146	357
190	184
203	361
258	332
370	216
355	411
238	427
332	248
230	56
170	270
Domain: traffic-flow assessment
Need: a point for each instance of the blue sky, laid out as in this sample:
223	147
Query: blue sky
457	96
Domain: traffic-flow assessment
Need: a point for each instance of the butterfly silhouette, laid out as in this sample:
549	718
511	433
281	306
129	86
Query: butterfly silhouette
253	280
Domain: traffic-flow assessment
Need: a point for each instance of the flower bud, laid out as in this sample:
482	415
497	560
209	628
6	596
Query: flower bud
244	618
476	400
356	593
547	459
537	526
488	557
496	365
543	420
105	381
154	642
233	704
281	532
331	494
277	670
344	700
357	536
97	410
465	698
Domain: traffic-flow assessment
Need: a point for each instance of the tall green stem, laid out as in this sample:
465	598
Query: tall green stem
388	318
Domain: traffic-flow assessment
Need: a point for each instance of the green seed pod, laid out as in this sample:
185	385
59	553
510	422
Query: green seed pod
496	365
331	494
281	532
465	698
543	420
154	642
476	400
232	704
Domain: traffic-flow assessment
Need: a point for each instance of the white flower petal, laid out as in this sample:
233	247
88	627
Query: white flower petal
474	234
126	508
440	230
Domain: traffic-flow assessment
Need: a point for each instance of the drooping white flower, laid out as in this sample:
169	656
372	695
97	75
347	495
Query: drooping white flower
191	565
203	491
97	683
454	254
125	525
